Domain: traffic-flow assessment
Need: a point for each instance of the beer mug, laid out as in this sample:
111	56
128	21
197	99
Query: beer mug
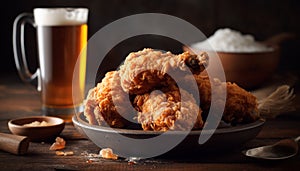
61	41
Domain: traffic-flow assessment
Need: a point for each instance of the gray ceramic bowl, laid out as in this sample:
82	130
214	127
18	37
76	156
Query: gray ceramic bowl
223	139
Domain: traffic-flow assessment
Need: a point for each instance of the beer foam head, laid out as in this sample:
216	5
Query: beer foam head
60	16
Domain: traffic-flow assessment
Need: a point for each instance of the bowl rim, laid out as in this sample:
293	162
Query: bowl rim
276	49
242	127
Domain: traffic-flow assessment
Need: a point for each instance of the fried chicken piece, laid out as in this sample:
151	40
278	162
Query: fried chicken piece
161	88
168	110
147	70
240	106
107	104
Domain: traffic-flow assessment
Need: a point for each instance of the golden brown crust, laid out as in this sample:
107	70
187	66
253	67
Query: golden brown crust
148	69
196	63
107	101
241	105
157	99
164	110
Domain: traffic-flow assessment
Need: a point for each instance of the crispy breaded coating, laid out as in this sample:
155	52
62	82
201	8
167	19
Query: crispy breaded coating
168	110
240	106
163	102
147	70
107	101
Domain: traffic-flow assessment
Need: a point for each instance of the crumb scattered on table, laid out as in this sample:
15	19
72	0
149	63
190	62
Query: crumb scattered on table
67	153
59	144
107	153
59	153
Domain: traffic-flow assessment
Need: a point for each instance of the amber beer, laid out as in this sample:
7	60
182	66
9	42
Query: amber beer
62	37
59	49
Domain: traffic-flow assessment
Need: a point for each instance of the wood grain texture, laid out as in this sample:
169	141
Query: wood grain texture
18	100
14	144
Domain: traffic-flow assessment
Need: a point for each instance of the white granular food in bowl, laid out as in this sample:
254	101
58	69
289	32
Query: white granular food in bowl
37	123
228	40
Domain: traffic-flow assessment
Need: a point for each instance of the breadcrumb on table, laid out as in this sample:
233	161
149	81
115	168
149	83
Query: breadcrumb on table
107	153
59	144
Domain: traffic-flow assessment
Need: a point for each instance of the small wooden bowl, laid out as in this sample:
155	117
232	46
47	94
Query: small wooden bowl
37	133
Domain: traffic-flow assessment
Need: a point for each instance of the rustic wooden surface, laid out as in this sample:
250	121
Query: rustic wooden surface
19	100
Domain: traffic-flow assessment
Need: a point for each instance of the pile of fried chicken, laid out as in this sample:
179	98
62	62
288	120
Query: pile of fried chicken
154	90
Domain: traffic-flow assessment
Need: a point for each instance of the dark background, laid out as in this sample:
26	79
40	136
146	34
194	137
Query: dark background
262	19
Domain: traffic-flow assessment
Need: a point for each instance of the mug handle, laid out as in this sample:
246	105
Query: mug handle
19	49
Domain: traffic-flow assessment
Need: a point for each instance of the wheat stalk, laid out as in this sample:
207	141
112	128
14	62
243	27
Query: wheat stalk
280	101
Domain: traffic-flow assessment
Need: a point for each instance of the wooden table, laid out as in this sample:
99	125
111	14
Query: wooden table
20	100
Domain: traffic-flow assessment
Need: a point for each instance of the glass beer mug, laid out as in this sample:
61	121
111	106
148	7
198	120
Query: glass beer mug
61	40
